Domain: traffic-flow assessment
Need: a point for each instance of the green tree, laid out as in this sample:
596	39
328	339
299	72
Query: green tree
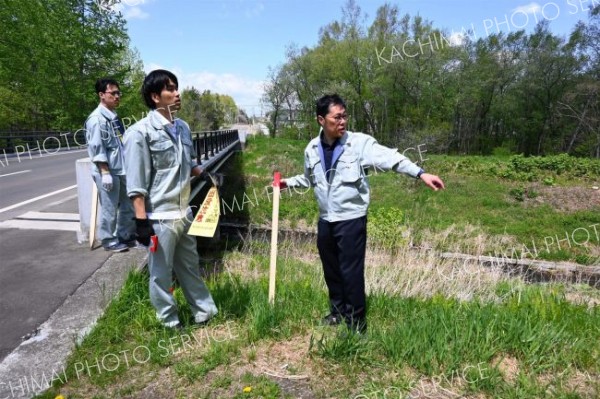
190	108
277	89
405	82
52	52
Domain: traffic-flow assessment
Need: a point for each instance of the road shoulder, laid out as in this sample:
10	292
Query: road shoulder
30	368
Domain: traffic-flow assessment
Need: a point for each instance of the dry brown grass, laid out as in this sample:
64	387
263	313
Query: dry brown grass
413	271
566	199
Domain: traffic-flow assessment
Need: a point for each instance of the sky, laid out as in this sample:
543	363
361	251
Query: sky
228	46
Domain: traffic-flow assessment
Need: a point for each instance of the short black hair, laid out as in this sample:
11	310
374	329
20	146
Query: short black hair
154	83
326	101
102	84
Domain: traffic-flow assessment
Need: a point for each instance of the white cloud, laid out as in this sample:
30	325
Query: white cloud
250	9
133	3
134	13
245	92
531	8
457	38
129	8
255	11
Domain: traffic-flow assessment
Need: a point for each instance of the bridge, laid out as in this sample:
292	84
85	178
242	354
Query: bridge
213	149
41	262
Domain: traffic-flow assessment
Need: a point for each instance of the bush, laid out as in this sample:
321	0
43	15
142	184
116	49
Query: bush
521	168
386	228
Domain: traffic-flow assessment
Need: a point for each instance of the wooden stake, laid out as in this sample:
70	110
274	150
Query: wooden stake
94	215
274	233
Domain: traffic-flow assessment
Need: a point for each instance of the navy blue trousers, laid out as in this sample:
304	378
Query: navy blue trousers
342	247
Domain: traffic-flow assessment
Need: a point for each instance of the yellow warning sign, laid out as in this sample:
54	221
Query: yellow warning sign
206	220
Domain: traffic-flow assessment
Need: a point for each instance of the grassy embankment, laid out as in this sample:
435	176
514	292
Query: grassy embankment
493	205
438	328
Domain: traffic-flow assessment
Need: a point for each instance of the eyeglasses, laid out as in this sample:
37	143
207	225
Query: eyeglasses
338	118
114	93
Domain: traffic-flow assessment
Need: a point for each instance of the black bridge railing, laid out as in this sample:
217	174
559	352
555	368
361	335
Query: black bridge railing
210	143
207	143
44	142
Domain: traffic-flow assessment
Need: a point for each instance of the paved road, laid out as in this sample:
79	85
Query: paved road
41	263
23	179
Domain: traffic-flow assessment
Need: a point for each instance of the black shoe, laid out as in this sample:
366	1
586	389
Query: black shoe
332	319
118	247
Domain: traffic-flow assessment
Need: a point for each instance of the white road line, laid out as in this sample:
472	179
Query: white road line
39	225
15	173
60	201
64	217
54	154
29	201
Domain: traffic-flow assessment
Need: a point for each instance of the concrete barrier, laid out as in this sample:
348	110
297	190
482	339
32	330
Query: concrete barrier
85	183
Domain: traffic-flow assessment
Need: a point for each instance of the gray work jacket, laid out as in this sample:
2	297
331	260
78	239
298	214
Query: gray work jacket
104	141
159	166
346	195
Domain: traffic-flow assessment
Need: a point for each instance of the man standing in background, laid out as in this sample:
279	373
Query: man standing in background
104	133
334	164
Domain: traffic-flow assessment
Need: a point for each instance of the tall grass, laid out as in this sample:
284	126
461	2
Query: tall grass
427	334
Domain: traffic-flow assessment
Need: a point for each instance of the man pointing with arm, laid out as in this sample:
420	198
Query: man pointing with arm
334	165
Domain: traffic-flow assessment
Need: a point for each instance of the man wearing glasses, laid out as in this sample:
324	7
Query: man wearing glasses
334	165
104	134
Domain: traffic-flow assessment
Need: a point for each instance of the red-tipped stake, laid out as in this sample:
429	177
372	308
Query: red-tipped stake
274	233
153	243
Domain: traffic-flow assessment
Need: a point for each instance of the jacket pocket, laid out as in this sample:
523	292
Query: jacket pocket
348	169
188	148
162	153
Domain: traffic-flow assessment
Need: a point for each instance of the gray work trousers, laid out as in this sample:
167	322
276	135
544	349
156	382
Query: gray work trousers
116	222
177	251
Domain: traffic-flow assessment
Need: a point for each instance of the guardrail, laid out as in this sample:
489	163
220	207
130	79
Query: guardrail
207	143
40	141
213	149
210	143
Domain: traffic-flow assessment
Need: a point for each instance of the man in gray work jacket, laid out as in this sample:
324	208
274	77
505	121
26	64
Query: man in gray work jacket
104	132
335	164
159	156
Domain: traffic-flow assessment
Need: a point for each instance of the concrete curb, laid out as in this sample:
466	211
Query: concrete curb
32	366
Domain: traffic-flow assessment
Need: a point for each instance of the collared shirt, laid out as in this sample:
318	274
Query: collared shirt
116	127
104	144
328	155
345	194
159	167
110	113
170	127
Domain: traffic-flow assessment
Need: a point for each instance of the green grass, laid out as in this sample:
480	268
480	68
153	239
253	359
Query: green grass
477	194
436	337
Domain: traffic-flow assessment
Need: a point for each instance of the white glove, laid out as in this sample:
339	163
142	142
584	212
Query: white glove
107	181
